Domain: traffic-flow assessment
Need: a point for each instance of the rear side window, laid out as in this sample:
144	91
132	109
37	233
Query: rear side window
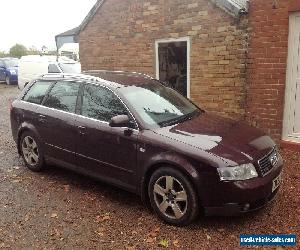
63	96
37	92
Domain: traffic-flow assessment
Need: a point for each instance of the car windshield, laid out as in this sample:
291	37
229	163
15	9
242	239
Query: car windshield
11	63
72	68
159	105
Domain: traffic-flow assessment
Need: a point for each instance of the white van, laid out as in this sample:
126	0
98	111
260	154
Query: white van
70	50
31	67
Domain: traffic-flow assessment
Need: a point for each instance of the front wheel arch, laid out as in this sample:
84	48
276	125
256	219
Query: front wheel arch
145	182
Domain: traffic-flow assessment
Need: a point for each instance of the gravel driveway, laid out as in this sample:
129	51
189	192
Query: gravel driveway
57	209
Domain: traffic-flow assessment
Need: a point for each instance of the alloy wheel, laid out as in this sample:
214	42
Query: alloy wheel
170	197
30	151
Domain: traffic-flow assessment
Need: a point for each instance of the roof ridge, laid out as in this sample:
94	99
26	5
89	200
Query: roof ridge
232	7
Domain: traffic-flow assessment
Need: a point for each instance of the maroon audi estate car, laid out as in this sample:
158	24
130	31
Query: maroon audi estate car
130	130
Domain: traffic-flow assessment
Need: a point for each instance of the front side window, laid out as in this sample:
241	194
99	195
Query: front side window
100	103
158	105
63	96
37	92
11	63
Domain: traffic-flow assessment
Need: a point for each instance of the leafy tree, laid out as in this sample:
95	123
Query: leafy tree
18	50
3	54
33	51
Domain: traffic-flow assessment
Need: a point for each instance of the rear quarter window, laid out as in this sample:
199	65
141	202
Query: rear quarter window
37	92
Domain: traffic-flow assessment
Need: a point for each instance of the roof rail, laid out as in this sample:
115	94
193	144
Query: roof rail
117	71
54	75
73	76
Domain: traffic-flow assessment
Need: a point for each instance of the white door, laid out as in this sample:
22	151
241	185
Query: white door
291	126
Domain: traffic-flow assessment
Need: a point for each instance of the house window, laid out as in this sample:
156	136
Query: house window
172	64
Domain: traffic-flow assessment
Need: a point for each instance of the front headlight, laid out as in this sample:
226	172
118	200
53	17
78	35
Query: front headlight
13	72
238	173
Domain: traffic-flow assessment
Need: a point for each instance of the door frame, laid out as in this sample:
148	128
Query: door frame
188	46
291	84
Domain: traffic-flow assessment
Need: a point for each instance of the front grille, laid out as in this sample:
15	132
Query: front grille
265	163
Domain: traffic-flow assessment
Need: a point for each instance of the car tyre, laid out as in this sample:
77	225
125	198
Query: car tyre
31	152
173	197
7	80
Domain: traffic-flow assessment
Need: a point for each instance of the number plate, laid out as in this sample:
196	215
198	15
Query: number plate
276	182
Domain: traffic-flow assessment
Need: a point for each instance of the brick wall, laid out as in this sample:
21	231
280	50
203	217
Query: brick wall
266	74
122	35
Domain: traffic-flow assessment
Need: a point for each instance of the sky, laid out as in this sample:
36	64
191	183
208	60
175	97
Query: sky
36	22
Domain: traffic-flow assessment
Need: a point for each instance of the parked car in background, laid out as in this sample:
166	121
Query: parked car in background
130	130
31	67
9	70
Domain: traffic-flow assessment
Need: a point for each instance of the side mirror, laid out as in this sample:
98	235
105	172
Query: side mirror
119	121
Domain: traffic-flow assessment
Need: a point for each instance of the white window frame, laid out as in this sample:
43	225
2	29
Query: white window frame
289	109
171	40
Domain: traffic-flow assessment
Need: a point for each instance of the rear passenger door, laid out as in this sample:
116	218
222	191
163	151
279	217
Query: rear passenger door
56	121
30	102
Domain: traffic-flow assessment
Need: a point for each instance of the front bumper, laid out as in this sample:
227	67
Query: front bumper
239	197
235	209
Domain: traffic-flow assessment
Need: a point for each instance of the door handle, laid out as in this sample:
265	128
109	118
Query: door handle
82	130
42	118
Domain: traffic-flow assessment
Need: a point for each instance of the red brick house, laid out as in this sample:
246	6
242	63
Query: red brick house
273	86
198	46
227	58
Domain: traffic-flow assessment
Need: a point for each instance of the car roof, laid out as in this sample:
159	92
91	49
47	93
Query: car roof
114	79
9	58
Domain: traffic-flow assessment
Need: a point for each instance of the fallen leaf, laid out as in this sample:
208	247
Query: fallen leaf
130	248
208	237
154	232
99	233
221	229
66	188
100	218
26	217
150	240
164	243
53	215
176	243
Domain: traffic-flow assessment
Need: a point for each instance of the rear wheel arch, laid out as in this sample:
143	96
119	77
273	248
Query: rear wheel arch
21	131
